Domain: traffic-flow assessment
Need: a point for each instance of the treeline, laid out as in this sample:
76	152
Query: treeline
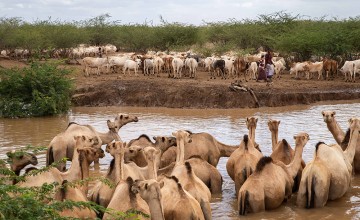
282	32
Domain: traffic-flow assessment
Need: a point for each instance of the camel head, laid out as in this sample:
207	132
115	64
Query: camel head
20	159
151	153
123	119
116	147
131	152
148	189
328	116
112	126
301	139
85	141
164	143
92	154
183	135
354	123
251	122
273	125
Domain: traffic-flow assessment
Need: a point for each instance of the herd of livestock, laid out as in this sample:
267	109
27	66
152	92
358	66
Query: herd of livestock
106	59
174	177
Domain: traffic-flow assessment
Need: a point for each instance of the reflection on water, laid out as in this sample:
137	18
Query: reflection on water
227	126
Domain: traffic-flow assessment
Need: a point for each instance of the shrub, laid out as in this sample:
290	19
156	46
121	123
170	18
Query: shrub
38	90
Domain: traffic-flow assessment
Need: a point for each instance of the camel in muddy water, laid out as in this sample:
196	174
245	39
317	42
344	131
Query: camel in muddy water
272	182
339	136
62	145
17	160
203	145
328	175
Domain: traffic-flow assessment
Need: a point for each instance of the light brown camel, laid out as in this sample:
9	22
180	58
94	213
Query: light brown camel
134	147
282	151
203	145
178	204
272	181
183	171
74	194
242	162
118	170
333	126
328	176
124	199
62	144
149	190
339	136
18	160
76	171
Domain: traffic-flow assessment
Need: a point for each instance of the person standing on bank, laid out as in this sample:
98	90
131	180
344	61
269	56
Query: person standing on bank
269	65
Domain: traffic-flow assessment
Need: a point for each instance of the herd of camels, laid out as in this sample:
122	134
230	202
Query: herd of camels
174	177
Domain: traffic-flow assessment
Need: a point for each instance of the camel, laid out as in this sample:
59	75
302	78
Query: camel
206	172
18	160
149	190
203	145
77	169
282	151
251	124
177	203
62	145
74	194
339	136
118	170
333	126
124	199
328	175
242	162
272	181
183	171
135	147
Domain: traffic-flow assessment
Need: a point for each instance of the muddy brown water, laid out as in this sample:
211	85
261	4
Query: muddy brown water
228	126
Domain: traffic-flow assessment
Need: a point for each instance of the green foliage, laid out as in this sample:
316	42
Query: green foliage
39	202
41	89
280	31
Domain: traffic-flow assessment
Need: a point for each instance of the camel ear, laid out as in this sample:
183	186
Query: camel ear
294	137
83	137
146	186
256	120
174	134
161	184
247	119
121	116
154	138
108	123
333	113
163	139
350	120
279	122
323	113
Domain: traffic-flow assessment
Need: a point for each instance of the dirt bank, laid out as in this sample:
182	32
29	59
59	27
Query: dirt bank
112	90
118	90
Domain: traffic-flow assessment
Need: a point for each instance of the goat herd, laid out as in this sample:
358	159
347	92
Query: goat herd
176	176
106	59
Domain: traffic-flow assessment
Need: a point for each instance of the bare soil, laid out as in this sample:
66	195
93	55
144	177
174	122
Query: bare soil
202	92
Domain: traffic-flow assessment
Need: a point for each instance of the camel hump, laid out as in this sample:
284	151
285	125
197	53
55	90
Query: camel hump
71	123
188	167
345	141
244	202
246	140
144	136
285	143
262	163
317	145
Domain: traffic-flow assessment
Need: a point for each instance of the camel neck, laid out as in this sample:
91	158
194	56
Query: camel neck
156	210
274	138
336	131
252	134
119	167
226	150
85	174
152	169
74	172
295	164
180	151
108	137
351	148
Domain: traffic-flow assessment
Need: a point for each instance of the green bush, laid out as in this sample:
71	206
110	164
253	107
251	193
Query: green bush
38	90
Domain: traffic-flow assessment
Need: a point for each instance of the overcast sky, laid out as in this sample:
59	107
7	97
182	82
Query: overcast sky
184	11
